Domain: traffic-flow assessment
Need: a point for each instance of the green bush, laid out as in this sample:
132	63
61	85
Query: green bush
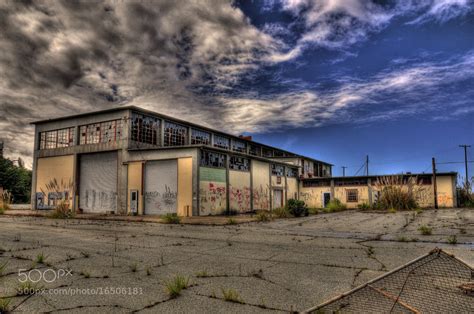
5	305
364	206
171	218
314	211
397	193
297	208
453	239
281	212
231	221
335	205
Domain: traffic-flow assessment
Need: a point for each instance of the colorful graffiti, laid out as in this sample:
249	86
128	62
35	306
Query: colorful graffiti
261	197
240	198
212	198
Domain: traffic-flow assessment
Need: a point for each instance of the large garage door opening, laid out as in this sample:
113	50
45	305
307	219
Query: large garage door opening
161	187
98	182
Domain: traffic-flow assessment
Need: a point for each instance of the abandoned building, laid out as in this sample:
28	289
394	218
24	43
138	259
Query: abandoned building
128	160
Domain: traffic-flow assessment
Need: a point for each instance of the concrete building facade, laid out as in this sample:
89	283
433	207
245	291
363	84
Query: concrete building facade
130	160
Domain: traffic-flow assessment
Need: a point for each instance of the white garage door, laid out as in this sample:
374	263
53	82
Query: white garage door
161	187
98	182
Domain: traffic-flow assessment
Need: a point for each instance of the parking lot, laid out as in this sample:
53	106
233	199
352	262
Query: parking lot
281	265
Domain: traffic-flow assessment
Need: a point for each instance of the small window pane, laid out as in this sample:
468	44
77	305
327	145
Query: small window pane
239	146
239	163
211	159
200	137
278	170
175	134
221	142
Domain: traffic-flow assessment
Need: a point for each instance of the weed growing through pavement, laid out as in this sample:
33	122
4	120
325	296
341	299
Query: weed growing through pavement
425	230
230	295
176	285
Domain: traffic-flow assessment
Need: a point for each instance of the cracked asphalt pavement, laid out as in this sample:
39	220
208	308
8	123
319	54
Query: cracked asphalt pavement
283	265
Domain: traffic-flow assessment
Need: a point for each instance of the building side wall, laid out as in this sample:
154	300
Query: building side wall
340	192
446	191
185	186
239	191
291	188
60	168
212	191
313	196
261	185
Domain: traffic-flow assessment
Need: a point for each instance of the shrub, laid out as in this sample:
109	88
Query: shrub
5	305
297	208
231	221
171	218
176	285
425	230
62	209
6	197
231	295
465	194
281	212
364	206
335	205
262	216
453	239
397	193
313	211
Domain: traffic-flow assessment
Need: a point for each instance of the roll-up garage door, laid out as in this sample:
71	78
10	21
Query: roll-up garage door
161	187
98	182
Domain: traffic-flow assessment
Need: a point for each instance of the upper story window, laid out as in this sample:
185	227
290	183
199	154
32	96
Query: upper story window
239	163
212	159
221	142
255	150
239	146
291	172
200	137
267	152
57	138
278	170
175	134
145	129
102	132
279	153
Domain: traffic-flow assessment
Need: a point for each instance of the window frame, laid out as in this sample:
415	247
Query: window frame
352	195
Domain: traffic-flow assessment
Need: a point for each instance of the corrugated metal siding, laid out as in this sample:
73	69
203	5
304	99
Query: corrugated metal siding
98	182
161	186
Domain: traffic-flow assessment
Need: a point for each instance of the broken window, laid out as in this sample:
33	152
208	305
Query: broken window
279	153
255	150
291	172
175	134
103	132
221	142
239	146
239	163
278	170
352	195
145	129
212	159
57	138
200	137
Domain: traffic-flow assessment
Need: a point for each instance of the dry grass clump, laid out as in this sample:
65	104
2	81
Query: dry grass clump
62	207
397	192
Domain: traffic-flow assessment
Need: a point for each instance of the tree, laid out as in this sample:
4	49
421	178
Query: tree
15	179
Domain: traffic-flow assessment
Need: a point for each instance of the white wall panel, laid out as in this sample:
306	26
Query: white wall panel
161	187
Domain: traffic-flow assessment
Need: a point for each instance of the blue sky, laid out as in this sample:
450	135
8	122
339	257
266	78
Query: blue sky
332	79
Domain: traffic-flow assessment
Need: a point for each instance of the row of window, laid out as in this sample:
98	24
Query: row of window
360	182
218	160
57	138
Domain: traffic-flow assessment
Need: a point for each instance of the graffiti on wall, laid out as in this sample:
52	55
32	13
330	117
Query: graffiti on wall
106	200
311	198
445	200
240	198
212	198
162	201
261	197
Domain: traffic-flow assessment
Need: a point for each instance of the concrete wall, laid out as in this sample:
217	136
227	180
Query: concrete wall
60	168
313	196
212	191
239	191
446	191
291	188
185	186
261	185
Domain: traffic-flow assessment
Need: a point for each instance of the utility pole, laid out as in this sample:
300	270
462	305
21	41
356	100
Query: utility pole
343	171
367	165
465	163
435	191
